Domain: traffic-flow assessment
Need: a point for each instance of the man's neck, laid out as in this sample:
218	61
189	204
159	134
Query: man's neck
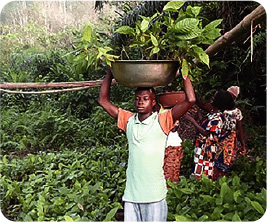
143	116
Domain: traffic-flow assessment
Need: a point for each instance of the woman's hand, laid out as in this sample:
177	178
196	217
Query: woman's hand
243	150
187	116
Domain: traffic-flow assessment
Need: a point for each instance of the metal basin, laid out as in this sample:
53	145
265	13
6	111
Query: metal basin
144	73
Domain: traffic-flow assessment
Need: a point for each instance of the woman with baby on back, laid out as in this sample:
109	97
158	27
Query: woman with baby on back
216	140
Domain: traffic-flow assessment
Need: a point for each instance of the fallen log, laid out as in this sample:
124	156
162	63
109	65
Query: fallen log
255	17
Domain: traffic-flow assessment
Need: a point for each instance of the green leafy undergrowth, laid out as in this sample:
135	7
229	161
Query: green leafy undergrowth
48	128
88	185
227	199
66	185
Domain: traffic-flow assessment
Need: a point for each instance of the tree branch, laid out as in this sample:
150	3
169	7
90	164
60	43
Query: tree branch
7	85
243	27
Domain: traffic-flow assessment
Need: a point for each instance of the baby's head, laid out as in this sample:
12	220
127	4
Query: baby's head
223	100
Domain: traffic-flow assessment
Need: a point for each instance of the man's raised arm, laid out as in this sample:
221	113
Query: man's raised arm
104	96
181	108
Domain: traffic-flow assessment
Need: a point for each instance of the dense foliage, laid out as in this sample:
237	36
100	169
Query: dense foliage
62	157
67	185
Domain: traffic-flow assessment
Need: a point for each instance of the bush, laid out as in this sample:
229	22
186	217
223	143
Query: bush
227	199
67	185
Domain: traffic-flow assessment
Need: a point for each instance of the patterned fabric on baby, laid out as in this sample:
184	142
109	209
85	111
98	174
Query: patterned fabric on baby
206	146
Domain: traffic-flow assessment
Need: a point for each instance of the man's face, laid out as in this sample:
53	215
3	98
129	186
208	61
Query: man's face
144	101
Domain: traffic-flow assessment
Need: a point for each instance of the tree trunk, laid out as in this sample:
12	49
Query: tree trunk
239	30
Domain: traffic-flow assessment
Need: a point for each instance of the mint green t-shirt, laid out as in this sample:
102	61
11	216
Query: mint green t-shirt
145	180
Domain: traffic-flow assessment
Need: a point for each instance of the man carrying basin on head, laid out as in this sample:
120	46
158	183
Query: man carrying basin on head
146	131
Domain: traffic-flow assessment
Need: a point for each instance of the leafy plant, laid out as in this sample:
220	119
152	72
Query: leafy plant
173	34
227	199
67	185
90	50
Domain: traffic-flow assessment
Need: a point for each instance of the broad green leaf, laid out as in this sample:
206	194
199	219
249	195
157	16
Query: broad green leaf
210	31
28	218
211	34
236	181
108	63
226	193
32	158
186	25
5	160
148	18
126	30
203	218
247	200
257	207
193	10
77	185
181	218
40	159
104	50
228	216
107	48
196	10
207	198
87	33
185	69
217	213
143	38
263	194
133	45
173	6
63	190
236	217
186	190
110	57
111	214
213	24
68	218
41	198
99	54
144	25
236	195
154	51
154	40
58	201
190	35
201	55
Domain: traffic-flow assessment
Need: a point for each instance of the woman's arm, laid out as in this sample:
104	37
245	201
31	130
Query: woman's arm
181	108
104	96
205	106
196	125
240	136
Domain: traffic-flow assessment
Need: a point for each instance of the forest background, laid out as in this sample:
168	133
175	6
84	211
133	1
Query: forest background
62	157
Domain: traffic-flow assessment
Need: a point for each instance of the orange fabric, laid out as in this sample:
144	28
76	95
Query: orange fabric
123	118
166	121
229	148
